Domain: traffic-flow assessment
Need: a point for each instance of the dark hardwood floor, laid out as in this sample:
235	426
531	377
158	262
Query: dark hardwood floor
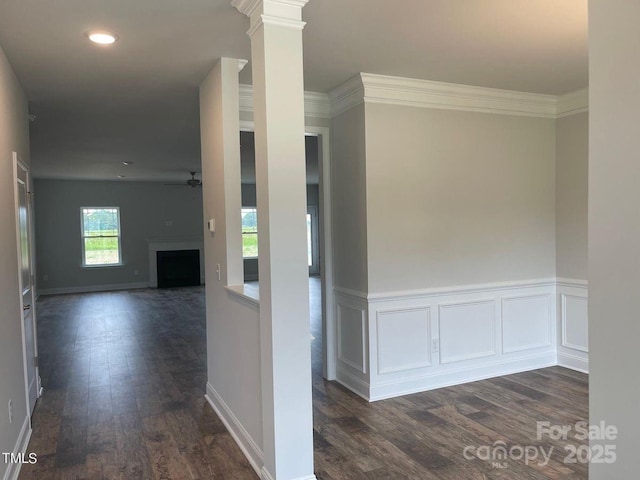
124	376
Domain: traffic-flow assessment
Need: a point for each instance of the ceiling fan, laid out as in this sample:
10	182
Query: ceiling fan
193	182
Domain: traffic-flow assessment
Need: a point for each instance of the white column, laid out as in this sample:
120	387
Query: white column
276	60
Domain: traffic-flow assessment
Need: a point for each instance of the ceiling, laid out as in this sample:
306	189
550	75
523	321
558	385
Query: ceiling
137	101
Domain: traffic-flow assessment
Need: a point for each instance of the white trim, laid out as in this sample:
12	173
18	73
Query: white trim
573	103
571	282
13	469
243	295
248	446
84	237
428	94
452	290
388	90
265	475
346	96
248	7
316	105
350	381
384	390
347	292
573	362
94	288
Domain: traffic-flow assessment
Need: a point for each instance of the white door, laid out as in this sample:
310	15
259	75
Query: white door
23	220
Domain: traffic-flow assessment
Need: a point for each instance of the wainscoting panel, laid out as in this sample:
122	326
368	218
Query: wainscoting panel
526	322
404	339
421	340
396	343
467	331
573	331
351	337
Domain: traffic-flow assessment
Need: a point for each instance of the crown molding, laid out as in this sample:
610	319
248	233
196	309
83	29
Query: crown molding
316	105
283	9
347	95
573	103
246	7
382	89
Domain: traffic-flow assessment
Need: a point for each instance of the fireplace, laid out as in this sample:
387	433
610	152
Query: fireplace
178	268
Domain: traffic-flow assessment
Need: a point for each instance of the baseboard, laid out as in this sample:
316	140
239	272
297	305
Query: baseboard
13	469
352	382
573	362
94	288
248	446
461	376
265	475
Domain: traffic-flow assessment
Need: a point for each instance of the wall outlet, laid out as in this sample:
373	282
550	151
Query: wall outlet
136	272
168	223
45	277
10	411
435	345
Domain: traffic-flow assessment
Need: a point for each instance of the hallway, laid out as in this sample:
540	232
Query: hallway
124	376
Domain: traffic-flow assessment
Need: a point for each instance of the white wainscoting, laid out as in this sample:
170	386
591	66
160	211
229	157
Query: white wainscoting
573	331
398	343
467	330
353	339
526	322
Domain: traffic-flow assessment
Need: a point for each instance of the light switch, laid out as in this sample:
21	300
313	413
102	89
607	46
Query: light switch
211	224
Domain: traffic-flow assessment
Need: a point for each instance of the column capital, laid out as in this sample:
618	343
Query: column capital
284	13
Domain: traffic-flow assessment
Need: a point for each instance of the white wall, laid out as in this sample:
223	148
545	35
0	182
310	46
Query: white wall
459	197
145	210
14	136
614	230
234	384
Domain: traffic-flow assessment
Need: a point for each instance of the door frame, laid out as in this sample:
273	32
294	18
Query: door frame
18	164
314	268
325	236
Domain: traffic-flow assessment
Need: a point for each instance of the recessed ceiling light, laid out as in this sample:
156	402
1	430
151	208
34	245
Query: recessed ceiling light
127	163
102	37
121	176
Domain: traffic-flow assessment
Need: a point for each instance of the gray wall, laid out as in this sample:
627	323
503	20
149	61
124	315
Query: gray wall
349	199
145	208
14	136
572	159
614	230
457	197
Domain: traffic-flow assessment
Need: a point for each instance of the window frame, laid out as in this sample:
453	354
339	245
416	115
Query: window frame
255	209
83	238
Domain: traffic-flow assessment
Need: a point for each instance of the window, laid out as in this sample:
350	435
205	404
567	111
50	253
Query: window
100	236
249	233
